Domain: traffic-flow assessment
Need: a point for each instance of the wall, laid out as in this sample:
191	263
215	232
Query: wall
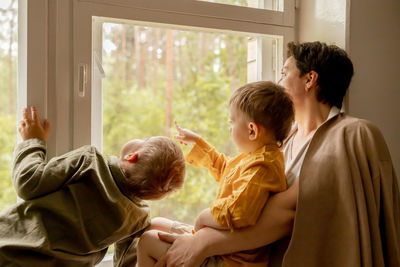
374	46
322	20
370	31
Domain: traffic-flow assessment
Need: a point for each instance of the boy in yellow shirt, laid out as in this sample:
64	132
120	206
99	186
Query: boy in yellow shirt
261	115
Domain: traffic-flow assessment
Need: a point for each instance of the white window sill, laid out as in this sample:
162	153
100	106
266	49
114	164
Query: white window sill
106	262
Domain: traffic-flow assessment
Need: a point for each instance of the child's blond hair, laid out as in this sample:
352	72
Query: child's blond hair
159	170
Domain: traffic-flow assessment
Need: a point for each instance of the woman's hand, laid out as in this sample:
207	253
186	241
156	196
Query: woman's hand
185	136
186	250
30	126
274	223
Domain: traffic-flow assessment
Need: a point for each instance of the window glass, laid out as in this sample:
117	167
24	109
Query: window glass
276	5
8	78
155	75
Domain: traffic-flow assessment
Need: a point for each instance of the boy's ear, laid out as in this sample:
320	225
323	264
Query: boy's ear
254	131
132	157
166	186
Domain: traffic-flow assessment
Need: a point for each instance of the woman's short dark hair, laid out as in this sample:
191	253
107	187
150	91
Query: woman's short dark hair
332	64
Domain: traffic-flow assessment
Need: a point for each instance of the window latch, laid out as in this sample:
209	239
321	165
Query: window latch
82	79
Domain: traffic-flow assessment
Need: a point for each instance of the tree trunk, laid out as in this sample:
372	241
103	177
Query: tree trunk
123	54
169	74
138	59
116	43
202	51
155	60
11	89
144	59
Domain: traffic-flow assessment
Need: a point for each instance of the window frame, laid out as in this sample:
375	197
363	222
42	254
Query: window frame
45	64
208	9
189	13
55	36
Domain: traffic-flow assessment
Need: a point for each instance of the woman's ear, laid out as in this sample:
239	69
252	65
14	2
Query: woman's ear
254	131
132	157
311	80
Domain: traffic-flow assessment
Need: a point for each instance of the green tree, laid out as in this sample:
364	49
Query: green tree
8	70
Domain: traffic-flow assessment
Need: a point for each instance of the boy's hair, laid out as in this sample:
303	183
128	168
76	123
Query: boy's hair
268	104
159	170
332	64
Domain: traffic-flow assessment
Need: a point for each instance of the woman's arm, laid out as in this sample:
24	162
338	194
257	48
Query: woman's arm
275	222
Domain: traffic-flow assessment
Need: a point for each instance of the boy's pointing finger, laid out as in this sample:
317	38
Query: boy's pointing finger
177	126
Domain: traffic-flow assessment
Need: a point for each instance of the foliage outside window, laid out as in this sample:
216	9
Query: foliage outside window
155	76
8	75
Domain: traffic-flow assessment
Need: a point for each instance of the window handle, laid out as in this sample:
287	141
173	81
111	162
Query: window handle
82	79
99	65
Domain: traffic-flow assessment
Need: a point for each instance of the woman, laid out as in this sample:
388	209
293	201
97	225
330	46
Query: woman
343	189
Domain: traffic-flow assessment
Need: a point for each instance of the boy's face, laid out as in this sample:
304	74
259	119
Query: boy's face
239	129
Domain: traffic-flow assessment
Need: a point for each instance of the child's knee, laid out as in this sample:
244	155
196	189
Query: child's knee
147	238
160	223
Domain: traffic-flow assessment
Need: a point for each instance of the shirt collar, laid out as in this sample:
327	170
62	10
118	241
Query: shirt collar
265	148
333	112
119	177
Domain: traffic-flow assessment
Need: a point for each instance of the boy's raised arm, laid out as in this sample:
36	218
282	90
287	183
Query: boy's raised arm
30	126
32	176
202	155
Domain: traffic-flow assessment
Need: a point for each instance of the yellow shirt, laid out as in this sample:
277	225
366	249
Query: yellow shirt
245	182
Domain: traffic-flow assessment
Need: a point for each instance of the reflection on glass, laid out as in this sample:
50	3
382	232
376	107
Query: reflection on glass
8	81
276	5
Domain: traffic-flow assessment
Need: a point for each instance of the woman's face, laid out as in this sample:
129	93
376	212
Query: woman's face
291	80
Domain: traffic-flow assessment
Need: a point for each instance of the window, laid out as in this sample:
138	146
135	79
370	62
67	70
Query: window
138	66
155	74
8	98
81	60
192	15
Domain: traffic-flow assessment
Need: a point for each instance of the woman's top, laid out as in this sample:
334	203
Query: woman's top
348	205
293	164
292	171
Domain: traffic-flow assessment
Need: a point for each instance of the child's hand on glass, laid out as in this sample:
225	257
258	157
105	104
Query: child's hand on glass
30	126
185	136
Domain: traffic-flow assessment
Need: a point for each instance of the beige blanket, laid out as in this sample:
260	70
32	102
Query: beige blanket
348	211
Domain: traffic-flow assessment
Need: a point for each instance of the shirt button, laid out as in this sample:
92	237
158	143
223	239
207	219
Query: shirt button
191	161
